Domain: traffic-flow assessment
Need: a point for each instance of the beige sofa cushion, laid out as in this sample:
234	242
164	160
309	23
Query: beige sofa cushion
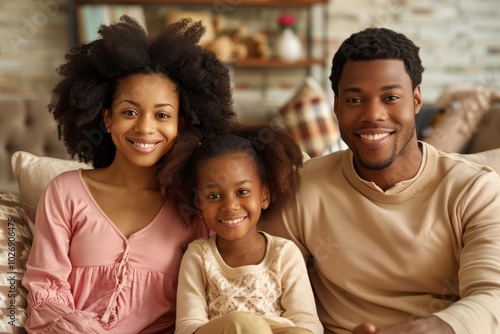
487	136
464	106
33	173
490	158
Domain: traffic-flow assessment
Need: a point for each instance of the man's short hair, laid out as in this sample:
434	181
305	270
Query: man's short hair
374	44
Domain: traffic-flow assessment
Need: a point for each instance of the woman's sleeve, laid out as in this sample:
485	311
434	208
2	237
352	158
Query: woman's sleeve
192	309
297	295
50	302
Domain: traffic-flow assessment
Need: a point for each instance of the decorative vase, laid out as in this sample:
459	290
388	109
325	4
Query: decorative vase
288	46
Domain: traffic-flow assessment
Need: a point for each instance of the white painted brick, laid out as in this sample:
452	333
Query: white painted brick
458	39
489	61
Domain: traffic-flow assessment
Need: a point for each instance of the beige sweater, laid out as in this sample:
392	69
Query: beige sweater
277	288
429	245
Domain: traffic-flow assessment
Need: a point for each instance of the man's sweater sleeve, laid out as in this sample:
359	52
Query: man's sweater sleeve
478	310
298	298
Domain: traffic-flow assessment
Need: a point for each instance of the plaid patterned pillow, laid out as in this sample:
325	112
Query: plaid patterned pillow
310	120
15	244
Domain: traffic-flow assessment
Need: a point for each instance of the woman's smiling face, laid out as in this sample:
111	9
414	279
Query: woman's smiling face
144	118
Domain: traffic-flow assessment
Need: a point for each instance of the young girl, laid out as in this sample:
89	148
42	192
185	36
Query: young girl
107	245
241	280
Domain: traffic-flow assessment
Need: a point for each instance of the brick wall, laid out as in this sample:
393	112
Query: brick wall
458	39
33	40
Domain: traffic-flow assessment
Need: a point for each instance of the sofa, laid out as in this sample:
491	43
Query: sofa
25	125
31	156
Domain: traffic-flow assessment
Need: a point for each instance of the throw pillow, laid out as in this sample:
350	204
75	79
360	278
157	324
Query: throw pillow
310	119
15	245
463	108
487	135
33	173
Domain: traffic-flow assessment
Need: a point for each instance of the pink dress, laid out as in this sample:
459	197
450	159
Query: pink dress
84	276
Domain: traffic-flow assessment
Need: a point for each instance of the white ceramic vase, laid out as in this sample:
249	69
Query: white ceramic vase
288	46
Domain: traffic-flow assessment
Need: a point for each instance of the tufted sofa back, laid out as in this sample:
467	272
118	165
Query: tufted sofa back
25	125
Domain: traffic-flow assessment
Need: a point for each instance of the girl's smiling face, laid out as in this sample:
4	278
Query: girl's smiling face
231	195
144	118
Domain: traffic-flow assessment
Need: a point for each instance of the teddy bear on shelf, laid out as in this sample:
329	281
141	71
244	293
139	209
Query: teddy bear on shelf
234	44
258	46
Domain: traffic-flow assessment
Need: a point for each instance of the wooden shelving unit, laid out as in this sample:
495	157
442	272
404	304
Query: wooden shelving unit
260	3
216	5
227	7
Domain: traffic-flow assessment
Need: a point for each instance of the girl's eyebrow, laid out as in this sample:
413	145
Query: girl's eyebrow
242	182
215	185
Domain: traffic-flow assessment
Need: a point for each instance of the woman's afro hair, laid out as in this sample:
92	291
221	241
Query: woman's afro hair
93	71
374	44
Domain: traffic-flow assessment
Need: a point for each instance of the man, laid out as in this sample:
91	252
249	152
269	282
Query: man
401	238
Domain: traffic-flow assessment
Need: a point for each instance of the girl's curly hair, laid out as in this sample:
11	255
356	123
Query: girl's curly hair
93	71
277	158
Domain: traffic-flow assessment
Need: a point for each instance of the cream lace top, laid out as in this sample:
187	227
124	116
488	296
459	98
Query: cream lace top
276	288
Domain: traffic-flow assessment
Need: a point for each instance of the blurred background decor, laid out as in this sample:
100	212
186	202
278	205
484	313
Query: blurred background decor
288	44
